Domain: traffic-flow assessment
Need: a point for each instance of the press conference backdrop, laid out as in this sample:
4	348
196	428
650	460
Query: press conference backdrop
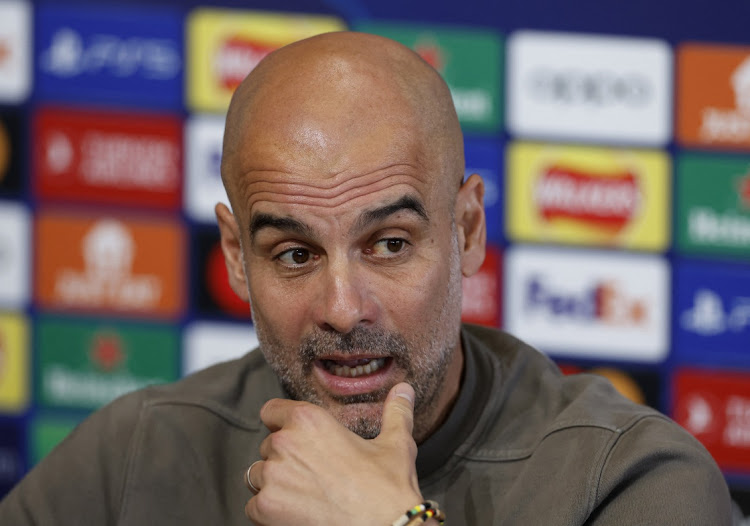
613	138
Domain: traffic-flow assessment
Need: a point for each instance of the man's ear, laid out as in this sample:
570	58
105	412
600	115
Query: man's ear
230	246
470	223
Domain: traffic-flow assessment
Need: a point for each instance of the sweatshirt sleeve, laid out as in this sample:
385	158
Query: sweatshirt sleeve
656	473
81	481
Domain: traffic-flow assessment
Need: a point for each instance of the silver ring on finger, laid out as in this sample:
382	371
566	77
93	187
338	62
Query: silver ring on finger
249	482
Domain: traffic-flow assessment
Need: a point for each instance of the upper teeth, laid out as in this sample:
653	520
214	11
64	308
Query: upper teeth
359	370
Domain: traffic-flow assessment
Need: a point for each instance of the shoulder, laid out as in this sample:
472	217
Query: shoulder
627	460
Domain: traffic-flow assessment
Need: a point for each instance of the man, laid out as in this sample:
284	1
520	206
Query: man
351	231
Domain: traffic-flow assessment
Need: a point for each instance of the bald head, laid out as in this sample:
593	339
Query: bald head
311	94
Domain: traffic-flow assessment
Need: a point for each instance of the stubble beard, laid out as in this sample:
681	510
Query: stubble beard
426	367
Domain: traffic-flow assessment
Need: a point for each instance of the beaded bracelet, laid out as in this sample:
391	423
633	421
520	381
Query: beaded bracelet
420	514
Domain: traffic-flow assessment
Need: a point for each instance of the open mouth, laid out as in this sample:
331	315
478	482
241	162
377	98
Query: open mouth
354	368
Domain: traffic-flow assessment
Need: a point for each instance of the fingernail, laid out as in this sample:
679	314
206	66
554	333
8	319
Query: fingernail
404	391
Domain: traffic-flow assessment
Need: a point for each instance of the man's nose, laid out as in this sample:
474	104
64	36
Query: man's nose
345	299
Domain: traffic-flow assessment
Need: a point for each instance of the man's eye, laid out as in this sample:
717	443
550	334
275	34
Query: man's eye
295	256
389	246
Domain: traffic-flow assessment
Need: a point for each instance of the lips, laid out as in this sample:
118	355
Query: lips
354	368
347	375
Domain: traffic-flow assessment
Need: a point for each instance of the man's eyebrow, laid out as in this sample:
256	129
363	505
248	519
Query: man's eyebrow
375	215
285	224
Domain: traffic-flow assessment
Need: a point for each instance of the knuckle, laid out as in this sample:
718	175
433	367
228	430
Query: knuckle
304	414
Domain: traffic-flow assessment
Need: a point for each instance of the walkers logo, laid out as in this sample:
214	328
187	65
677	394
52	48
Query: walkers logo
203	186
15	358
590	304
86	365
483	157
714	96
589	87
45	433
712	303
224	45
94	264
15	259
112	55
11	158
207	343
11	458
214	295
109	158
713	205
470	61
15	51
715	407
588	196
481	292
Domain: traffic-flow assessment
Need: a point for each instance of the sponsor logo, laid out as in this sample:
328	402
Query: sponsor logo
604	302
207	343
708	316
471	63
101	362
588	304
596	88
610	203
203	186
224	45
621	92
120	265
68	55
15	51
715	408
214	295
712	303
236	58
714	95
110	55
481	292
115	158
15	259
589	196
713	216
14	363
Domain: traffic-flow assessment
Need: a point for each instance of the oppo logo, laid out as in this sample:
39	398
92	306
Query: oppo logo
592	88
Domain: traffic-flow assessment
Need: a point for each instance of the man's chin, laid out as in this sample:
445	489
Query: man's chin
362	418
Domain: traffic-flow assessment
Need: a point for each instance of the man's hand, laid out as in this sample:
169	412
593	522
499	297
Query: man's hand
317	472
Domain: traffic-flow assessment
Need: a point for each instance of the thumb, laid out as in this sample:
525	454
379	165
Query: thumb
398	411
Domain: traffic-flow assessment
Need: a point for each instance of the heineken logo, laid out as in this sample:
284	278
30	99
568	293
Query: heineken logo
607	203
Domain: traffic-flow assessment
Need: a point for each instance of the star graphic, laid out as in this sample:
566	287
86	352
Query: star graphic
107	352
431	53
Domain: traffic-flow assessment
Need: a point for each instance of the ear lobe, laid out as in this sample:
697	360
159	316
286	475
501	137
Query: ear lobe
230	246
470	222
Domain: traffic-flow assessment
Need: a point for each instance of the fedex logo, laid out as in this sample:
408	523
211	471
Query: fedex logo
588	304
102	54
605	302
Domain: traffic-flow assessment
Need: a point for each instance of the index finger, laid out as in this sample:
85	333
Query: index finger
278	412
